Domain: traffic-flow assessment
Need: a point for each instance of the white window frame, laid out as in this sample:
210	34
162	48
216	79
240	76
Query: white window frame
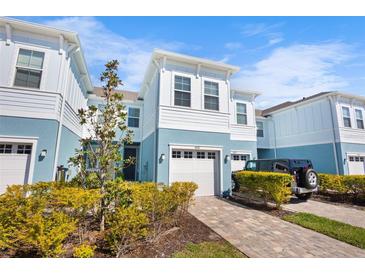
174	74
139	117
257	128
210	95
14	67
362	118
15	140
236	114
347	117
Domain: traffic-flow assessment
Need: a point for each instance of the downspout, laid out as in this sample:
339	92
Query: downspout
71	49
273	122
330	100
155	159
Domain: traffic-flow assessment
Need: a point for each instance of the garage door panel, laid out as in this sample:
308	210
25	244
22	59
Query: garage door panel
356	164
202	171
14	165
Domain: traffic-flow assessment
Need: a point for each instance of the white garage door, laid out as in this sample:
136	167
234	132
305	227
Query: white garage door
238	161
14	164
356	165
200	167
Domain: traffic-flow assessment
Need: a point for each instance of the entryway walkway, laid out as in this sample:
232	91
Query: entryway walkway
352	216
259	235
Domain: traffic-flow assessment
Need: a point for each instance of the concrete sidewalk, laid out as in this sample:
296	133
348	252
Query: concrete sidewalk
352	216
260	235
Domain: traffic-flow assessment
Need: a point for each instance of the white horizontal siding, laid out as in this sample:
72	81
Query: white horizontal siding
71	120
351	135
30	104
243	133
190	119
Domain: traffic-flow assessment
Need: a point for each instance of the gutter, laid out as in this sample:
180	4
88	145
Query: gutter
71	49
330	100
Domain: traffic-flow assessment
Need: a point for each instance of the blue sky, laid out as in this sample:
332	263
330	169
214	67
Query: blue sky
284	58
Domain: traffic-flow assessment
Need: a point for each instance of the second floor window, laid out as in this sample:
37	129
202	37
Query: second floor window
241	114
359	119
182	89
133	117
211	95
29	67
260	129
346	117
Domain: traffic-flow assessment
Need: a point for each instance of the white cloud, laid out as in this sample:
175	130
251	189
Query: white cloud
292	72
233	45
101	45
266	31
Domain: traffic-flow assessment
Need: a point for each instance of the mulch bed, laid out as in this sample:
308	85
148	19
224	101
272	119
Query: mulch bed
259	205
191	231
338	199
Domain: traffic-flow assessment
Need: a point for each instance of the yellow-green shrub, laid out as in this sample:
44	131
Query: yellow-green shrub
268	185
84	251
30	226
125	227
343	184
183	193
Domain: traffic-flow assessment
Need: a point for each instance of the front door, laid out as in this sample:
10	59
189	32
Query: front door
129	172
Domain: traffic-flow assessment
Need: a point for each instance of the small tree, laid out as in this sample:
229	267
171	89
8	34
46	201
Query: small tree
102	147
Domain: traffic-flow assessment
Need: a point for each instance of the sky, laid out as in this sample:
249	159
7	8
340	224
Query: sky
283	58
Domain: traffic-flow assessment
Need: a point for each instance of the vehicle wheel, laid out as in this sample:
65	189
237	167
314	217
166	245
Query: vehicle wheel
311	179
235	186
304	196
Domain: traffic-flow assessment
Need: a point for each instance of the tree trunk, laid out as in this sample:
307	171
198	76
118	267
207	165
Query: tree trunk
102	209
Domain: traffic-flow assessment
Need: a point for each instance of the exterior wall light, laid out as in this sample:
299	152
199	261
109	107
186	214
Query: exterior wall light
227	158
43	152
162	157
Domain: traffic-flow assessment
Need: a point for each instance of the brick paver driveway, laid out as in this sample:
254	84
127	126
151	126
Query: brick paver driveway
260	235
339	213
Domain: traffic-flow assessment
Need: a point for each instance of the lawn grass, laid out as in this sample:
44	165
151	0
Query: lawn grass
209	250
343	232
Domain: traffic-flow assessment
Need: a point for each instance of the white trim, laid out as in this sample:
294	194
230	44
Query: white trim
198	147
8	32
172	92
24	139
236	112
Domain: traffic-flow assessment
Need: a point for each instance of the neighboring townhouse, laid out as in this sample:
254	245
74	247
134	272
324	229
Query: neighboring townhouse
327	128
134	108
43	82
195	127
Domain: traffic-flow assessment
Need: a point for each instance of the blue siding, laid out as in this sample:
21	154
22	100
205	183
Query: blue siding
45	130
171	136
348	148
265	153
68	143
322	155
147	158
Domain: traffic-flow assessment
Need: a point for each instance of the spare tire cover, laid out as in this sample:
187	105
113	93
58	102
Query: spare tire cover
311	179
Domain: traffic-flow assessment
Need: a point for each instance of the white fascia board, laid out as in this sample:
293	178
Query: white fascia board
246	92
195	60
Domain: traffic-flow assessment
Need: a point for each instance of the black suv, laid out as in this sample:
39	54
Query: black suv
305	179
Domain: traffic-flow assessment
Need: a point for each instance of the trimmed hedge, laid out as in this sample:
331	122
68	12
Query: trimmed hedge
267	185
352	185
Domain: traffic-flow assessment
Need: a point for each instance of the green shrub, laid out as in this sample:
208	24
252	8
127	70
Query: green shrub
268	185
348	185
125	227
84	251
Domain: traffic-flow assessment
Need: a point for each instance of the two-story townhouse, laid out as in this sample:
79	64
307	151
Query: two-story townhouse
195	127
43	82
327	128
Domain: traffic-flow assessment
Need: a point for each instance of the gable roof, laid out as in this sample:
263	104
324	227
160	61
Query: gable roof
286	104
127	94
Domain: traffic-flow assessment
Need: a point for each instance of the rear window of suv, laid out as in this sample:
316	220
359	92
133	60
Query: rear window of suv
252	166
